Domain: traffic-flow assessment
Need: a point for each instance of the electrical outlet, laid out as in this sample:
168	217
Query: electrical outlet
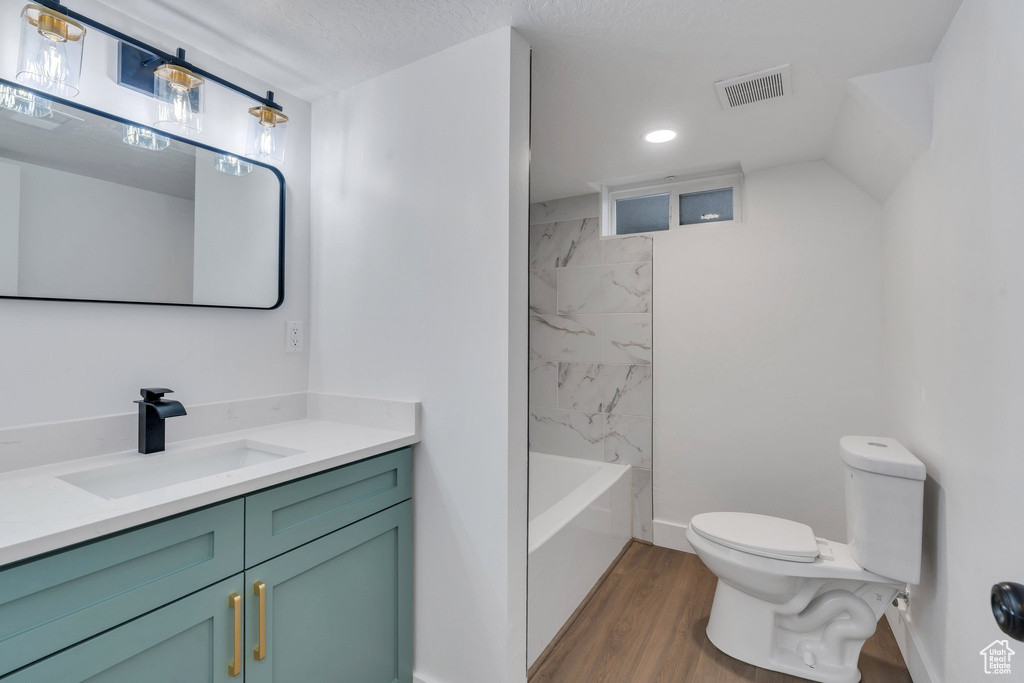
295	337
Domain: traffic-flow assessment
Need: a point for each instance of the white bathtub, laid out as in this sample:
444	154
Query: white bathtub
580	519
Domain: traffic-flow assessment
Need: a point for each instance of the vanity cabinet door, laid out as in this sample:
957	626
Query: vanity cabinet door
57	601
337	609
193	640
288	516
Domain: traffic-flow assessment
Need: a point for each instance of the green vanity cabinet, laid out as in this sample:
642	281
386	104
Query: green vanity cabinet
282	518
190	640
307	581
62	599
311	631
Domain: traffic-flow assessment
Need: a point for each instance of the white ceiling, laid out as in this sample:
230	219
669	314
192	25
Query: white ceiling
312	48
604	79
605	71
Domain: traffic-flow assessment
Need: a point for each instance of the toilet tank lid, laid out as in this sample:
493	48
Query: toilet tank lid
881	455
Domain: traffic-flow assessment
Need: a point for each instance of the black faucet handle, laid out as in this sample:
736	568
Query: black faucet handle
154	393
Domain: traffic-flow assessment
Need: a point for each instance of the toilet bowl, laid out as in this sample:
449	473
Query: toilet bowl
791	602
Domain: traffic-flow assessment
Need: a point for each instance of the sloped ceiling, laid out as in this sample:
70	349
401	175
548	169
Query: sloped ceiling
885	124
597	88
605	71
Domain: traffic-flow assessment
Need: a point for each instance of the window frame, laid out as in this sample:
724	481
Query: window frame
674	189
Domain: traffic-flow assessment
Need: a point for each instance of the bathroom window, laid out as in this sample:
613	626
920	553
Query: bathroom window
652	208
642	214
711	206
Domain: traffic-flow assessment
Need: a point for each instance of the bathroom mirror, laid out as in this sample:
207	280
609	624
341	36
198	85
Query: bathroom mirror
96	208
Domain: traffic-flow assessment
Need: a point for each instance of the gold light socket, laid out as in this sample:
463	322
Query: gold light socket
53	25
53	28
179	77
268	116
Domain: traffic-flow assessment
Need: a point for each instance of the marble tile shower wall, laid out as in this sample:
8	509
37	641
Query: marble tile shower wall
591	378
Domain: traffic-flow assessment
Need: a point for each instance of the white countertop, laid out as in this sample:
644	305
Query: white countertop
40	513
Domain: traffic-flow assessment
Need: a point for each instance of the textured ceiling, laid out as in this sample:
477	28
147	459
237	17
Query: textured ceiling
605	71
315	47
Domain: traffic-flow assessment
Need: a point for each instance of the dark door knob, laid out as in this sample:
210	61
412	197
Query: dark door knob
1008	608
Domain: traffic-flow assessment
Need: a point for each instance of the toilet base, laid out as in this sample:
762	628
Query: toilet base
752	630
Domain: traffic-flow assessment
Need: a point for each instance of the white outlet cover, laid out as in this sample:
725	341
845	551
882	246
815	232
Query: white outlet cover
295	337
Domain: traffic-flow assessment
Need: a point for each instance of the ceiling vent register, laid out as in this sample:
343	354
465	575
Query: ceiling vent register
756	87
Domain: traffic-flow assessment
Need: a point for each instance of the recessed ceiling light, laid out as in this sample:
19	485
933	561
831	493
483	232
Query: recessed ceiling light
663	135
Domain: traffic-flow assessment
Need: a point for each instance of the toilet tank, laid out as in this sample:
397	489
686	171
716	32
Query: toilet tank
884	506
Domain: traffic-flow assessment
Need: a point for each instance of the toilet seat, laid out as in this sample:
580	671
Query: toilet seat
761	535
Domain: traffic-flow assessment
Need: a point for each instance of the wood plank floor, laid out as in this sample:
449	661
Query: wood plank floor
646	624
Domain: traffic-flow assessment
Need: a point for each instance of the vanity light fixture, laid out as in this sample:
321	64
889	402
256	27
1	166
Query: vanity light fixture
144	138
267	130
232	165
24	102
179	99
50	57
51	60
659	136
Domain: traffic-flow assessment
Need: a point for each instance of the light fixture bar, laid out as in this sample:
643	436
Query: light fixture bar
165	57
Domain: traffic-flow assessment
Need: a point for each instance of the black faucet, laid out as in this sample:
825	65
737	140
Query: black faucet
153	410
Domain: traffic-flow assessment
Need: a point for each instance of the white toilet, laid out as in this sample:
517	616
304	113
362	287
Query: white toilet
790	602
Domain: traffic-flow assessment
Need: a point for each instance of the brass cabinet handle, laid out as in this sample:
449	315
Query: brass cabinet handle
260	589
235	603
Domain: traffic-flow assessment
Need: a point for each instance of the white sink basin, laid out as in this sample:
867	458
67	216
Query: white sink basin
151	472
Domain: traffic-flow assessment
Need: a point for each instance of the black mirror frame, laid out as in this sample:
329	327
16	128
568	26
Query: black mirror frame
192	143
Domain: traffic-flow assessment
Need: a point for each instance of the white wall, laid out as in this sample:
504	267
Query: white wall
567	209
767	350
76	243
105	352
420	233
10	226
883	127
954	309
236	235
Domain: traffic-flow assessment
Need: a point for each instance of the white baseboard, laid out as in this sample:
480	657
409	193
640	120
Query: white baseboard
908	647
671	535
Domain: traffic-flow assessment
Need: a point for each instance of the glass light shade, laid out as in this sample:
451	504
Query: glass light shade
179	100
24	102
232	165
144	138
267	130
50	57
